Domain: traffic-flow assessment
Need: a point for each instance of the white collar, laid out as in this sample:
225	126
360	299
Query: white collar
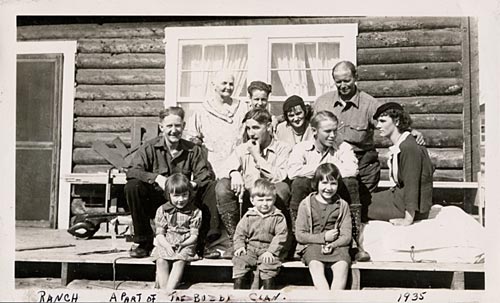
394	150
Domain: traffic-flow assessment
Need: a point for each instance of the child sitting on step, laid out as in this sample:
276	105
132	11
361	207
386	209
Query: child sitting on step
324	227
177	223
259	238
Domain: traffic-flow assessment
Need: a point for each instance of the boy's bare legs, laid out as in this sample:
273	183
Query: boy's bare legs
162	273
340	272
317	270
176	274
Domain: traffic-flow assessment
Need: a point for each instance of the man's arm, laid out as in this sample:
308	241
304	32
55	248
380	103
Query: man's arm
142	165
297	163
202	173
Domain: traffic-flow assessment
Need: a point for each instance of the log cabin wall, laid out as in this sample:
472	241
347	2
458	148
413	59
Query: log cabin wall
417	61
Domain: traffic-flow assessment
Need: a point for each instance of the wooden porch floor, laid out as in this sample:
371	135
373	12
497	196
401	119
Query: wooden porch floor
102	262
92	264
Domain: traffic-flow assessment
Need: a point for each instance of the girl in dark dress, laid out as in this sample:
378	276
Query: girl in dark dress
324	226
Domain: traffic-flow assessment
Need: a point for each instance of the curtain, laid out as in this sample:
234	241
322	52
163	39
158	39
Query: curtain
199	72
308	73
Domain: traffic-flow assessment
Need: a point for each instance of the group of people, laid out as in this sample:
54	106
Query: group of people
296	184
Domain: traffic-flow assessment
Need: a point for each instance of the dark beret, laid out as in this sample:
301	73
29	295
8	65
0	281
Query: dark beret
386	106
291	102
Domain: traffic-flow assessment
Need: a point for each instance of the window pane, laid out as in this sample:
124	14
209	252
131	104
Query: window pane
192	84
304	53
278	89
191	57
214	57
281	55
328	53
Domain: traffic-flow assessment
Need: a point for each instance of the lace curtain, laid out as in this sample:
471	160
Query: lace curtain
201	63
305	70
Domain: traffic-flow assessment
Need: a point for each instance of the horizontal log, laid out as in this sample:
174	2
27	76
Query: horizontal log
388	88
409	88
122	124
394	55
408	38
433	138
120	76
121	46
451	158
376	24
439	175
104	61
85	139
437	121
143	28
429	104
113	124
109	108
85	31
120	92
410	71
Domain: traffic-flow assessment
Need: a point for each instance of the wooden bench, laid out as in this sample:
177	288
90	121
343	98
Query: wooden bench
458	270
458	281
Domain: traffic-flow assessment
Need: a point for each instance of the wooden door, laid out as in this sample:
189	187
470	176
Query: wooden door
38	107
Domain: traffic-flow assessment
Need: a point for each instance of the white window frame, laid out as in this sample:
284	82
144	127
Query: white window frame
258	37
68	50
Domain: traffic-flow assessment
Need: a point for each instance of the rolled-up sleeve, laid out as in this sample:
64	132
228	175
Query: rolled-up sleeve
346	160
297	163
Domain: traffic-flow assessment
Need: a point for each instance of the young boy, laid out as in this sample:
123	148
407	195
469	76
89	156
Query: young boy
259	238
261	156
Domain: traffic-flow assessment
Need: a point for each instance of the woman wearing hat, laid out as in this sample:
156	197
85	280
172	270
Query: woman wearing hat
410	168
295	128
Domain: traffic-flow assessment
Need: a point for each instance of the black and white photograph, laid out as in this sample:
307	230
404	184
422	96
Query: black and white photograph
147	147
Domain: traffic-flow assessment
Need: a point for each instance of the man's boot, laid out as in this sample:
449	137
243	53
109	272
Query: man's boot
241	283
230	220
352	191
268	283
359	253
292	253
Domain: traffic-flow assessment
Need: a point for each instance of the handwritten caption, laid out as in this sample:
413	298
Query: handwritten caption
128	297
411	296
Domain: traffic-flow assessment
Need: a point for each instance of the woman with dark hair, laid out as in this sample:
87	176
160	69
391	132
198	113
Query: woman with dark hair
295	128
410	168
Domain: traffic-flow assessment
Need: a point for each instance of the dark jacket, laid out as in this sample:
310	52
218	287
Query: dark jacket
415	175
154	158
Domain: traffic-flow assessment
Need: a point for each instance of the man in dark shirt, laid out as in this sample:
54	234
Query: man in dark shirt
153	163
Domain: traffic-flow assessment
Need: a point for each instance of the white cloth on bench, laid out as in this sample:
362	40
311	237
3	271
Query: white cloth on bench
449	235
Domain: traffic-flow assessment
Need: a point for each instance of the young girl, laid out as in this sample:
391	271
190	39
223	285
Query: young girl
324	227
177	223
